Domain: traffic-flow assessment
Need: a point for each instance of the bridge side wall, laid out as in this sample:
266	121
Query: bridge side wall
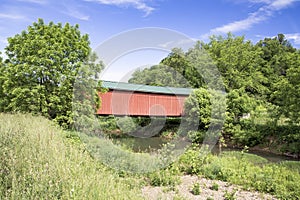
140	104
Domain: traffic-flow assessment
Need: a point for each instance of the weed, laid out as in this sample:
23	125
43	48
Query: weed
215	187
196	190
230	195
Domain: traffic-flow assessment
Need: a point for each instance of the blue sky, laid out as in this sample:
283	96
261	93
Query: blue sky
198	19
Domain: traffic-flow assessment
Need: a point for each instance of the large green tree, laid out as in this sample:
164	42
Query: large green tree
238	61
170	72
42	65
287	92
276	53
159	75
178	69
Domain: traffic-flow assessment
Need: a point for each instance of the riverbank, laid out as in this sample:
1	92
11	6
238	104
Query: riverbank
41	161
208	189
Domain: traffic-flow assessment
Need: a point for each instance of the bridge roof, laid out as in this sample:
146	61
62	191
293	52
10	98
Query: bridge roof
146	88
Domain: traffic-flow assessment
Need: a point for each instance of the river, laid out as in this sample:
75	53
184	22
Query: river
154	143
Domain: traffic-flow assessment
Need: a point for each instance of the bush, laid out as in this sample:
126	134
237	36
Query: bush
191	162
196	136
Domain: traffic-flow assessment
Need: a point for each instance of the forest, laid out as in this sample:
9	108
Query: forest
49	83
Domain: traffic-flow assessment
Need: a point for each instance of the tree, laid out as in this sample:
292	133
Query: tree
204	109
238	62
197	108
287	92
276	54
170	72
178	69
39	74
159	75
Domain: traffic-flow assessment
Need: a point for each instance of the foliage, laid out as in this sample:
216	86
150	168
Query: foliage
230	195
237	60
39	161
261	76
196	190
215	187
39	74
244	169
288	91
197	108
159	75
165	177
178	69
85	100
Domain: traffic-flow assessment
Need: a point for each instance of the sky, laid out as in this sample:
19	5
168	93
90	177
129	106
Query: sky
104	20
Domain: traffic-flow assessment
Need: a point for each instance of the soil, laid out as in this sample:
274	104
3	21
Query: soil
184	191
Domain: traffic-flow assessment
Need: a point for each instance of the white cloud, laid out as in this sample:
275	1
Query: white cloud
280	4
138	4
262	14
295	37
35	1
76	14
11	16
260	1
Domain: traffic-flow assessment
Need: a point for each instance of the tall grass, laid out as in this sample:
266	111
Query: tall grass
37	162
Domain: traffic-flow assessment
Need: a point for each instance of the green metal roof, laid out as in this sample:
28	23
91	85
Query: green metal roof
145	88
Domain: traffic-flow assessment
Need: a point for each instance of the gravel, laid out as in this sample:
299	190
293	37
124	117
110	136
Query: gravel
184	191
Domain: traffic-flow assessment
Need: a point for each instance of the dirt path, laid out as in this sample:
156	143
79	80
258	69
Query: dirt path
183	191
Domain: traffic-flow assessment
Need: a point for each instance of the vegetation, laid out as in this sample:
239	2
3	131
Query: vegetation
196	190
215	187
261	81
40	161
41	69
50	72
247	170
51	163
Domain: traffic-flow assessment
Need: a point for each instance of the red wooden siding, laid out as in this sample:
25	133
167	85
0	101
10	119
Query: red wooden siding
140	104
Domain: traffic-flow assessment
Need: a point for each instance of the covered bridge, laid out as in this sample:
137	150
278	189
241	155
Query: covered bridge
142	100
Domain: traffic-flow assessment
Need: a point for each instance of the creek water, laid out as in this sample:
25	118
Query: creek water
155	143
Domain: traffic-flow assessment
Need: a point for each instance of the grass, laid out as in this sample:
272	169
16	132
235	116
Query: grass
38	161
249	171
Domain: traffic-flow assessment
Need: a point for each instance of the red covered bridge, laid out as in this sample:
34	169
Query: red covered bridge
142	100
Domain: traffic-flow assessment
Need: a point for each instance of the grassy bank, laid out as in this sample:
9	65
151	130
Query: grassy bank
39	162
